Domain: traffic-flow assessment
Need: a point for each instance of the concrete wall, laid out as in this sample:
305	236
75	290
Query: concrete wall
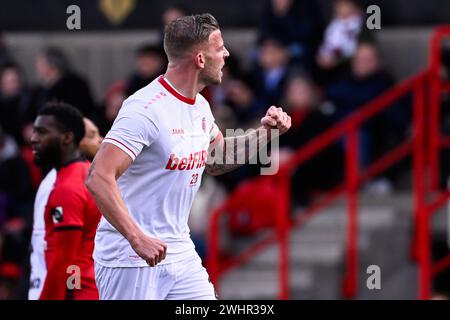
405	51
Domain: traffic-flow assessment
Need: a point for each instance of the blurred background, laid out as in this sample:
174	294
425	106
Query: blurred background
357	197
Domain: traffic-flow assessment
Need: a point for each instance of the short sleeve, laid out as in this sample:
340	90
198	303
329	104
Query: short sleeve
213	132
213	128
67	208
134	128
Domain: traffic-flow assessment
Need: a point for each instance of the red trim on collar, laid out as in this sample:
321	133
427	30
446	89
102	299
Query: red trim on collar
174	92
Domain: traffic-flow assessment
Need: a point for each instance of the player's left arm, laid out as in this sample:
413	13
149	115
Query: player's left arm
229	150
68	218
67	242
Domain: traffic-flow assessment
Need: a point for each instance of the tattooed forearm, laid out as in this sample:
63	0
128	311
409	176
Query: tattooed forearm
234	152
228	161
91	170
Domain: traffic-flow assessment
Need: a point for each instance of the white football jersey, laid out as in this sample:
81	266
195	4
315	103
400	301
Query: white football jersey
167	135
38	244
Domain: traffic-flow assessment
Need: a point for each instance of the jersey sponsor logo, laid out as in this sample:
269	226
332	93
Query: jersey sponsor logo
195	160
57	214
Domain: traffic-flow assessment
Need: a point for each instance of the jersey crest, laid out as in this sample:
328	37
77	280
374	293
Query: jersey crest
57	214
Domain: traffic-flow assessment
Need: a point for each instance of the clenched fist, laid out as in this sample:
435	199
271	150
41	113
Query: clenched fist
153	251
276	118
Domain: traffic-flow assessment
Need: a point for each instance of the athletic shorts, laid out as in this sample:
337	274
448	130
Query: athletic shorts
183	280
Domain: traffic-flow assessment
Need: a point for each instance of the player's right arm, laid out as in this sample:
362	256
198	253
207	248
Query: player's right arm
109	164
233	148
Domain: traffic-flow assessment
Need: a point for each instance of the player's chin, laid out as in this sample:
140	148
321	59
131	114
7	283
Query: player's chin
219	77
38	160
216	81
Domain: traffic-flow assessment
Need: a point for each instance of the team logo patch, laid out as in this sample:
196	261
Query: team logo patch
204	124
35	283
57	214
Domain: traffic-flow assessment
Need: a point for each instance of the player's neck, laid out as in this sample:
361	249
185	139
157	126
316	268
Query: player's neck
184	80
67	158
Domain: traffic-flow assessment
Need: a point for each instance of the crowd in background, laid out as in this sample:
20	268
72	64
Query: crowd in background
318	71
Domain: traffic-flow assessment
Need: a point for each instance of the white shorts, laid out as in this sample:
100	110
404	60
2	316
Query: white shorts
184	280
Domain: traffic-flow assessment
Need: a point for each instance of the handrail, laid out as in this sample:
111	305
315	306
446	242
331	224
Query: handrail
348	128
355	119
436	86
435	141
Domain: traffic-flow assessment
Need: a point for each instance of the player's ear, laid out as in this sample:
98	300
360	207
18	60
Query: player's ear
68	138
200	60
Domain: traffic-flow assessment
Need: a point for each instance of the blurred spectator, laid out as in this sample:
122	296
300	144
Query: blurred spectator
150	63
91	141
114	97
14	178
58	82
295	23
15	100
16	196
309	119
170	13
173	12
367	80
243	103
26	152
269	76
302	100
4	57
341	35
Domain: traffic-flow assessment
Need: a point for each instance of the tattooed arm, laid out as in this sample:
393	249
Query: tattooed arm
228	154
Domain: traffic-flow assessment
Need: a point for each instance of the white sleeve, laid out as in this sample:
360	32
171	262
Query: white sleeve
133	129
213	128
213	132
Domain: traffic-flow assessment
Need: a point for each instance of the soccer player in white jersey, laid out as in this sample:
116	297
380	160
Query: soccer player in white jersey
149	167
89	145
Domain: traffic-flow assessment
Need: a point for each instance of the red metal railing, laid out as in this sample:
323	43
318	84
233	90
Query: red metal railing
427	171
421	142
